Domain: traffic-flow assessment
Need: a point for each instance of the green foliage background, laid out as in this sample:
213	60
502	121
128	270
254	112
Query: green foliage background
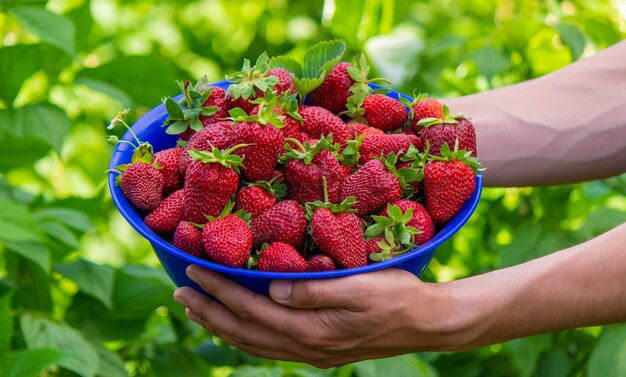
82	294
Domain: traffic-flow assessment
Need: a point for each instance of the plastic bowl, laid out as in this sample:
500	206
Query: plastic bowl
148	128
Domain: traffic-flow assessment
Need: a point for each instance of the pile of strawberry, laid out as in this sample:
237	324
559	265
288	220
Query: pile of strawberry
260	180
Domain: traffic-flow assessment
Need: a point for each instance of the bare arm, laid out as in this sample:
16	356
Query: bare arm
565	127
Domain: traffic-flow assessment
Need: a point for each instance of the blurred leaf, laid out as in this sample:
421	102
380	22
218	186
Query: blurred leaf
83	22
93	279
402	366
525	352
108	89
12	75
609	355
490	61
557	363
346	19
144	78
40	332
29	363
20	234
572	37
60	233
31	285
599	221
601	31
6	318
248	371
74	219
110	364
138	290
50	27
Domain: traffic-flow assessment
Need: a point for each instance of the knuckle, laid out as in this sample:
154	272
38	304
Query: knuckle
310	292
245	311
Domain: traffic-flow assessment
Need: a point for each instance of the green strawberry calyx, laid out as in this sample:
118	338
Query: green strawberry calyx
405	176
269	112
224	158
447	119
272	186
359	72
350	155
307	152
343	207
251	78
185	114
457	155
398	236
228	211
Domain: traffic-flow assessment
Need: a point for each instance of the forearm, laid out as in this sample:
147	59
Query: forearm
566	127
580	286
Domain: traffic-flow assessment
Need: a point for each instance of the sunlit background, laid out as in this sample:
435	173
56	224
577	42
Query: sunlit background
82	294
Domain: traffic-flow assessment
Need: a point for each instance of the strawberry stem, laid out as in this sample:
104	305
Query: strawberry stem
297	143
325	189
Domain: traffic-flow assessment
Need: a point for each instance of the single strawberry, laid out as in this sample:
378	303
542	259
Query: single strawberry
200	105
283	222
382	112
437	132
167	159
211	179
376	146
320	263
165	218
421	219
264	139
337	232
305	168
188	238
364	130
286	106
373	245
320	122
422	107
227	239
285	80
217	135
449	182
281	257
375	184
256	197
341	82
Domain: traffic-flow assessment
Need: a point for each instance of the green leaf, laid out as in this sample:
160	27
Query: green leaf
93	279
138	290
608	358
402	366
13	75
250	371
29	363
6	319
110	363
287	63
490	61
307	85
40	332
20	234
60	233
106	88
44	123
322	57
173	109
374	230
572	37
74	219
526	351
50	27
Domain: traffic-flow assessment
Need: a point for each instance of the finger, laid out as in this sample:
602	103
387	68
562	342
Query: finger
247	305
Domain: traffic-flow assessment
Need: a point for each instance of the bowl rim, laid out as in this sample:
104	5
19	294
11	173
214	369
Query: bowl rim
134	219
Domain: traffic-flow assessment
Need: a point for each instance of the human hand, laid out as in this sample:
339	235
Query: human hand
328	322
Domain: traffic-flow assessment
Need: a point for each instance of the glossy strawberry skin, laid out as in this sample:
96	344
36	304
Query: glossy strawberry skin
362	129
188	238
304	182
218	135
320	263
333	93
254	200
283	222
439	134
381	145
285	81
340	236
208	187
373	186
320	122
266	144
427	108
165	218
168	160
281	257
421	220
371	246
447	186
142	185
384	113
227	241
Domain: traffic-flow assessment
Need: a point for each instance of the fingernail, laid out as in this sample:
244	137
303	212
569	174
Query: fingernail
191	274
179	297
280	290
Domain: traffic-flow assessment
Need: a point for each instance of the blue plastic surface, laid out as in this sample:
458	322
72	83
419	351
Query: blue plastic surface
148	128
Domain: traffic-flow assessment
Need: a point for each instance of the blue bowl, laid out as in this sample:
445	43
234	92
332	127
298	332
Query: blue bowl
148	128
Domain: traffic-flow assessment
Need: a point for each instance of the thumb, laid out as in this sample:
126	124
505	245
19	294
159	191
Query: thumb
315	293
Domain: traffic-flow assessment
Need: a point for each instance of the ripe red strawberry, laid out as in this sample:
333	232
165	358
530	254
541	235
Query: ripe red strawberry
188	238
320	122
287	108
259	196
423	107
217	98
374	185
210	181
305	168
168	161
449	182
165	218
285	80
142	185
340	236
218	135
420	220
283	222
319	263
372	246
384	113
362	129
280	257
437	132
227	240
374	146
333	92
